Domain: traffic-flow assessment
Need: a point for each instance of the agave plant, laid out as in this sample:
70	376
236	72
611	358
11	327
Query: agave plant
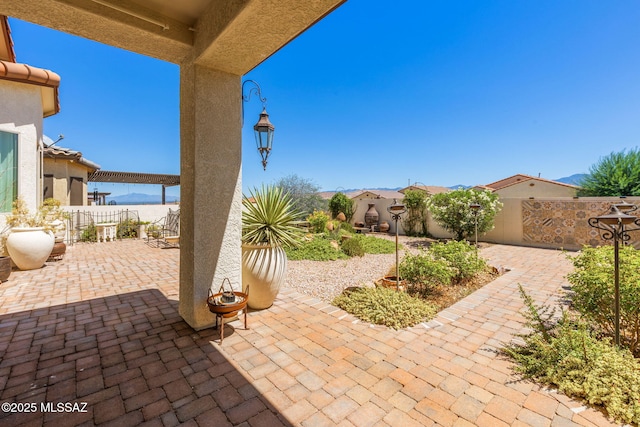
269	218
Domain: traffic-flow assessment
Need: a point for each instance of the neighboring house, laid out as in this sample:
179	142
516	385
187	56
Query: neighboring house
430	189
375	194
365	194
525	186
65	175
28	95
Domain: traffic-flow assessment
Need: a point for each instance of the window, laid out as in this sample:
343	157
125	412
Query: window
8	170
77	191
47	187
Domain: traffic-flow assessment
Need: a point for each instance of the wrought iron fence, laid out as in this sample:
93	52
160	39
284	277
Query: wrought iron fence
81	225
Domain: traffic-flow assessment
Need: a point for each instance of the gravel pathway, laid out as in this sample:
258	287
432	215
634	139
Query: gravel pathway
327	279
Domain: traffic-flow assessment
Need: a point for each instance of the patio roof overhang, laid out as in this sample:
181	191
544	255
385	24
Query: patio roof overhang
230	36
134	178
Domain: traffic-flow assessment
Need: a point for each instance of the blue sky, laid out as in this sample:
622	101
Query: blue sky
379	94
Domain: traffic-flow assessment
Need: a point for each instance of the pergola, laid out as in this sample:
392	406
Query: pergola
214	42
136	178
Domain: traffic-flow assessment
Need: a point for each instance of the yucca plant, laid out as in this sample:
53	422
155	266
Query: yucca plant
269	218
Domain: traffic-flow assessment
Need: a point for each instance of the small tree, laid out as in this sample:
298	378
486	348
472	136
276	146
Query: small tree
617	174
341	203
415	222
452	212
304	194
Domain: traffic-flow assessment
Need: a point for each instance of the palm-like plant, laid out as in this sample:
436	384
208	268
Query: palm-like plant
270	218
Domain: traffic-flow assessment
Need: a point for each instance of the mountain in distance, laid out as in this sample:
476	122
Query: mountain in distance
455	187
141	199
574	179
377	188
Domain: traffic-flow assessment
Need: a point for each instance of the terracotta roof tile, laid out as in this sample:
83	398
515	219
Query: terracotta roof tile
518	178
6	42
23	73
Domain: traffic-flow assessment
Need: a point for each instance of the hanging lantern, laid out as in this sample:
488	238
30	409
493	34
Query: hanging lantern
264	136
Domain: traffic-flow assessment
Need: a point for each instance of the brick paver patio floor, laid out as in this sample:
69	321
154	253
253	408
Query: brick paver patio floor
100	331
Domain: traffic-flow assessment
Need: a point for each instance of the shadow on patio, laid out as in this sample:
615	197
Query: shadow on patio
131	358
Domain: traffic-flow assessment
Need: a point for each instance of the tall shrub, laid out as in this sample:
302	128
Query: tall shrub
304	194
341	203
414	222
617	174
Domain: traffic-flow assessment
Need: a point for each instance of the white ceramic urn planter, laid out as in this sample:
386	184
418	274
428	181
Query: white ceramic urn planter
29	247
264	269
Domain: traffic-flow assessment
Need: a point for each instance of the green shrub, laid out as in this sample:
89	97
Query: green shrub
375	245
462	257
89	234
425	271
383	306
316	249
318	221
127	229
567	354
353	247
345	227
592	291
341	203
414	222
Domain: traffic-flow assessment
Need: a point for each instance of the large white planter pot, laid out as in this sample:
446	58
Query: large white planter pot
263	269
29	248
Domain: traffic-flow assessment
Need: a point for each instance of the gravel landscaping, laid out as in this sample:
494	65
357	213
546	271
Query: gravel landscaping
327	279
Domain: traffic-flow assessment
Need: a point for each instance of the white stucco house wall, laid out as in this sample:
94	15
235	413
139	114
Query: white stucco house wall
28	95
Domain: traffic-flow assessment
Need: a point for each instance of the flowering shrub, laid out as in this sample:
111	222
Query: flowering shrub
452	211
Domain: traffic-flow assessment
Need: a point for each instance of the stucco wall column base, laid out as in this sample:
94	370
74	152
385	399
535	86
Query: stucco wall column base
211	190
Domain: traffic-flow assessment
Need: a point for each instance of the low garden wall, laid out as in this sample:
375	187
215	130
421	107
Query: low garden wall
558	222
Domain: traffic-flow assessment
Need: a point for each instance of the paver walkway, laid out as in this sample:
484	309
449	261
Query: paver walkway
101	327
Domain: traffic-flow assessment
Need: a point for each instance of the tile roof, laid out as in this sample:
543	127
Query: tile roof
515	179
430	189
23	73
68	154
6	42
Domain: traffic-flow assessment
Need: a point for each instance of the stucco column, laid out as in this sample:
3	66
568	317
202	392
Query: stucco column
210	187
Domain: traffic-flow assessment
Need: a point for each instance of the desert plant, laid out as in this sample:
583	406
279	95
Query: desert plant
21	216
375	245
452	211
353	247
45	216
567	354
461	256
341	203
270	218
423	270
384	306
318	221
318	248
592	292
